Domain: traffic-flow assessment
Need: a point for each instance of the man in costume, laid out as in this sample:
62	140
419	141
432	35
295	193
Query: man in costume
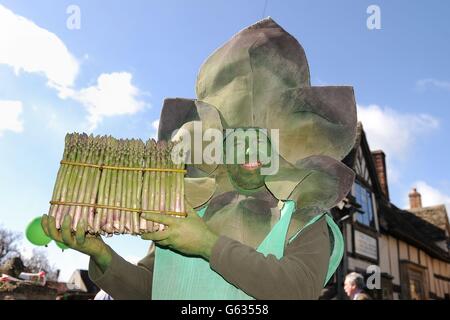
246	235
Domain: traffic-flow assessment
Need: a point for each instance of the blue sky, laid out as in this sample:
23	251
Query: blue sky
111	76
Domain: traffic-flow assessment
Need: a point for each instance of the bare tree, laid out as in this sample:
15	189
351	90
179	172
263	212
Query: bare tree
8	244
9	249
39	262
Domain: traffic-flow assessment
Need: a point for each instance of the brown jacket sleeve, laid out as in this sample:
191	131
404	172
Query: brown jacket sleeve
124	280
300	274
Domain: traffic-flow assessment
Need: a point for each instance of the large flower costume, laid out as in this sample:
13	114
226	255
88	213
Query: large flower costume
276	241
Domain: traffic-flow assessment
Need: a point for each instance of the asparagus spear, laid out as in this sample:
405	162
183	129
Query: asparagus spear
68	179
102	186
94	191
118	195
145	185
168	175
72	171
90	185
83	175
106	191
135	194
178	189
75	179
136	185
173	181
61	171
130	187
152	180
181	195
123	195
119	217
109	226
133	188
129	180
162	205
69	193
139	182
145	191
157	197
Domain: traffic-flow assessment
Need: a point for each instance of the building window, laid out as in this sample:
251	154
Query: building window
364	199
413	281
387	289
416	291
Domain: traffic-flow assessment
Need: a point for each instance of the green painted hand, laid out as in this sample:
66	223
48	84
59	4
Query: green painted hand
91	245
188	235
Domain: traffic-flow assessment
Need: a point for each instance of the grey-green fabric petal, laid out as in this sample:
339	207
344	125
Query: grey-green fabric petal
264	57
181	113
313	121
317	181
178	111
199	191
283	183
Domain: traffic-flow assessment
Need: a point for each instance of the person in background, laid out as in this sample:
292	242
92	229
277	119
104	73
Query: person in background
354	287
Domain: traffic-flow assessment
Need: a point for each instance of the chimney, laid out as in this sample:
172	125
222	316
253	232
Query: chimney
415	199
380	166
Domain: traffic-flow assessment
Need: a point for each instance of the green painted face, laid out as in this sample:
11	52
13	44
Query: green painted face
245	153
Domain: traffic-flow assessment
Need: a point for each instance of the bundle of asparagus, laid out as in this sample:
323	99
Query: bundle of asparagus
109	183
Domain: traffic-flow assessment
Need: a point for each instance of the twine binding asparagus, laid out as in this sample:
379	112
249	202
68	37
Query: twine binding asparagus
99	206
101	167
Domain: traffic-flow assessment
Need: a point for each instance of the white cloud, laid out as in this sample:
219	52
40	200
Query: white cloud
10	120
430	195
393	173
430	82
27	47
155	127
114	94
155	124
391	131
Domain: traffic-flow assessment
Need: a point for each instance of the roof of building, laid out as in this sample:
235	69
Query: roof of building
436	215
406	226
80	281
